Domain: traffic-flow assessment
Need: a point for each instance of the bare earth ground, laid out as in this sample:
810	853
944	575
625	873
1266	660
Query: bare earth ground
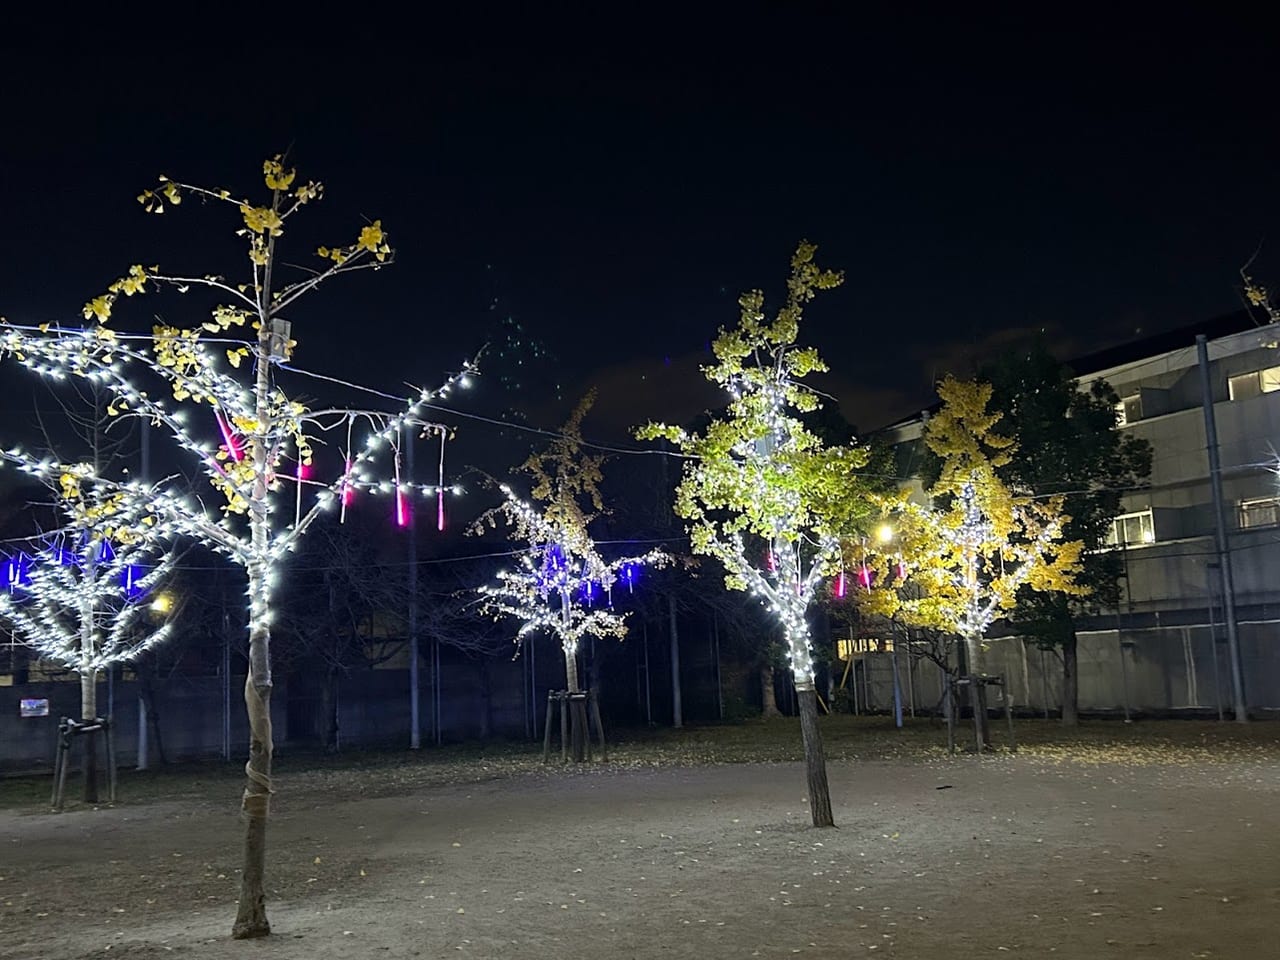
1141	849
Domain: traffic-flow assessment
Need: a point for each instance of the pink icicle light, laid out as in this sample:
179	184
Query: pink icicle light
440	485
864	577
229	439
840	586
348	492
403	512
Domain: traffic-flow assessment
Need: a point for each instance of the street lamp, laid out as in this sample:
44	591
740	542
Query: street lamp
884	536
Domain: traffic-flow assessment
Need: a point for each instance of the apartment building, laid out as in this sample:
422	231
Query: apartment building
1165	647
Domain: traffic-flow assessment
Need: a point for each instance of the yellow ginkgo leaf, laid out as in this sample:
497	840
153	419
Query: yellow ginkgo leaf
371	237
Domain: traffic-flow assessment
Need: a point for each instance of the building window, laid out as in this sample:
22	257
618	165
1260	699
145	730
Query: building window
857	646
1259	512
1254	383
1129	410
1132	529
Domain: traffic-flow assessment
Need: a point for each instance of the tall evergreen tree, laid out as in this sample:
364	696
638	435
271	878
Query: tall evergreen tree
1068	445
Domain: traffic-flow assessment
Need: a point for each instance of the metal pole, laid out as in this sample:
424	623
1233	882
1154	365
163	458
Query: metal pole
415	721
226	679
142	730
867	659
648	690
715	654
1213	640
144	474
435	689
524	697
1124	664
911	674
1124	669
897	685
1124	680
677	706
1044	683
1220	535
533	682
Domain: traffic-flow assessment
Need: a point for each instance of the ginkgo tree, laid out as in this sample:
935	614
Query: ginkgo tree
762	494
77	600
563	586
959	561
249	440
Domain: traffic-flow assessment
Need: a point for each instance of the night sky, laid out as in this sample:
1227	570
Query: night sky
614	179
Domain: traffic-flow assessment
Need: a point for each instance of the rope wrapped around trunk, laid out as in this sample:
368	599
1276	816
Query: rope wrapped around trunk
256	801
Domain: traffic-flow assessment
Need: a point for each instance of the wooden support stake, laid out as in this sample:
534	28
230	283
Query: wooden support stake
1008	715
951	716
595	715
564	729
546	736
111	760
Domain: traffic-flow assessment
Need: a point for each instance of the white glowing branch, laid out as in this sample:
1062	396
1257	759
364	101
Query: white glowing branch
559	580
80	608
133	503
984	570
757	474
101	357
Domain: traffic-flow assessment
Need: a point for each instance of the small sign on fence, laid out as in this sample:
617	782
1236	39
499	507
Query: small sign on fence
33	708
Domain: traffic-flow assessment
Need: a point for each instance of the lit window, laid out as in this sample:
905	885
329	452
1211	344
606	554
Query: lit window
1128	410
848	649
1254	383
1260	512
1132	529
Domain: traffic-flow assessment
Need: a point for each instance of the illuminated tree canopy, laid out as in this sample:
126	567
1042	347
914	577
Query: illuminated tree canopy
216	389
759	491
563	586
968	553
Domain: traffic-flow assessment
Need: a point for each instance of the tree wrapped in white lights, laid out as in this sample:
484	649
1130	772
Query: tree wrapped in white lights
988	541
969	552
226	385
562	587
76	602
762	494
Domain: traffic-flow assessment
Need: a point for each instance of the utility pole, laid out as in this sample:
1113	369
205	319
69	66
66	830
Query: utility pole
1220	535
144	474
415	723
677	709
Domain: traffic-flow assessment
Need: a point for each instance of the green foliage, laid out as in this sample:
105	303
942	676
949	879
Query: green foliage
1068	446
757	481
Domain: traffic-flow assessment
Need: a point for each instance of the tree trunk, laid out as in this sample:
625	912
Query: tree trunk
251	914
815	762
770	710
88	714
1070	679
486	700
147	695
329	711
978	691
577	708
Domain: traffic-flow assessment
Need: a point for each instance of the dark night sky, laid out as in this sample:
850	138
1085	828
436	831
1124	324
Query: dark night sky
616	179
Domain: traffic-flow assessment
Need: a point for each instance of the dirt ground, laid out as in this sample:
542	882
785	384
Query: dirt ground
1017	856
